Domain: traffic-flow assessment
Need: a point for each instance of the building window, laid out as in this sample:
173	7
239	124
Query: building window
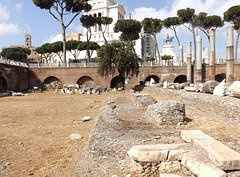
95	28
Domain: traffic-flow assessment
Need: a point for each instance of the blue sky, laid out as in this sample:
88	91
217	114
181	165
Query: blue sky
18	17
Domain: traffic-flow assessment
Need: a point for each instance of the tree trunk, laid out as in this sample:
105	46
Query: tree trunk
103	35
88	54
194	41
155	38
177	37
64	43
236	47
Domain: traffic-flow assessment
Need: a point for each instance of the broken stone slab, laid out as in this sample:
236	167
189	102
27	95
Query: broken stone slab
86	118
209	86
152	83
201	166
147	83
221	155
76	136
159	152
234	86
171	175
114	89
167	112
143	100
235	89
71	86
165	84
220	89
190	89
169	167
199	87
17	94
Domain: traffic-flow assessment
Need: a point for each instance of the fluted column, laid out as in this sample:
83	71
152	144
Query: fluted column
230	55
180	55
189	61
212	50
199	59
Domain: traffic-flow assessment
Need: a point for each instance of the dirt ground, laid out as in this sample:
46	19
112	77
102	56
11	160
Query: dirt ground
35	129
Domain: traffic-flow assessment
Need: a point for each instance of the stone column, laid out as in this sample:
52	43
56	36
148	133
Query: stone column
199	59
180	55
230	55
212	50
189	61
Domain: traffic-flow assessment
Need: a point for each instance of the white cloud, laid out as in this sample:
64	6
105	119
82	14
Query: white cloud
212	7
4	14
76	28
53	38
19	7
6	29
143	12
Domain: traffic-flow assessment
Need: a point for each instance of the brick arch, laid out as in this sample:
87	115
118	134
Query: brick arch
180	79
3	84
220	77
156	78
86	80
52	80
116	82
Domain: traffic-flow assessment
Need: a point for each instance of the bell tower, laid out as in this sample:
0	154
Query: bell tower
28	41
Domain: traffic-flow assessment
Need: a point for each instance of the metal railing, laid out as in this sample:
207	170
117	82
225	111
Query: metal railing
63	65
13	63
86	65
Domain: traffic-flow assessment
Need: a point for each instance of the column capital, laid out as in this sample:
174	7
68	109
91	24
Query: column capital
212	32
189	43
199	38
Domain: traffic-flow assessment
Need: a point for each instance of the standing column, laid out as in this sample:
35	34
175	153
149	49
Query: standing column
212	68
180	55
199	59
230	55
189	61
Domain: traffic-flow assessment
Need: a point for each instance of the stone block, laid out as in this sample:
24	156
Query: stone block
167	112
221	155
143	100
190	89
199	87
209	86
235	89
201	166
159	152
17	94
76	136
220	89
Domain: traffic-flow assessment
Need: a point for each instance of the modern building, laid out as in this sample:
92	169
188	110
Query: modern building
107	8
147	45
168	49
144	46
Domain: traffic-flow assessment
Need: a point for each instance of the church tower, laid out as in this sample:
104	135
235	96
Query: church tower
28	42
